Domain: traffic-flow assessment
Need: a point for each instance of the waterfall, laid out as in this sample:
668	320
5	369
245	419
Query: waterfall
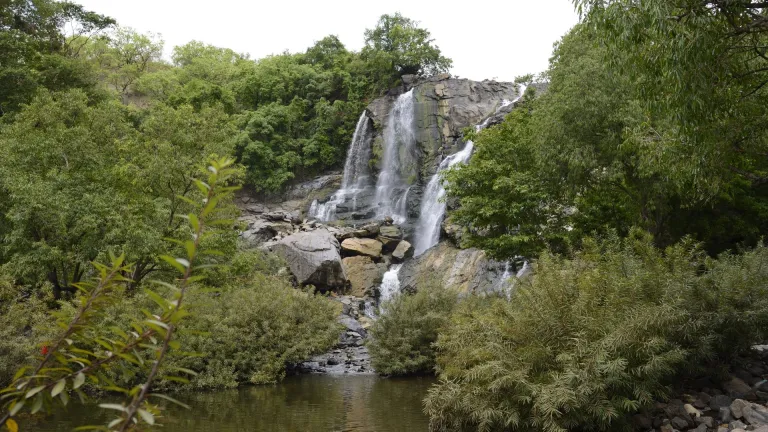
432	203
390	284
399	145
356	173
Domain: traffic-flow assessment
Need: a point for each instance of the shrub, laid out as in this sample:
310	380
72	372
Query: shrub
254	326
22	319
403	336
588	340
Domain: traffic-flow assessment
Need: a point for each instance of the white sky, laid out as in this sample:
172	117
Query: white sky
498	39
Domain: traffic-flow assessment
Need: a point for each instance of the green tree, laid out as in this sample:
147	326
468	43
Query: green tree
35	53
573	161
397	46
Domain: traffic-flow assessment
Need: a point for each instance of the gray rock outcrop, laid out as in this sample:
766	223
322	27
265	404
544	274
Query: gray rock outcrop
466	270
313	257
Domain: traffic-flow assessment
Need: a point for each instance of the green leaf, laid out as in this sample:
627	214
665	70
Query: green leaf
20	372
64	398
112	406
59	387
173	262
176	379
34	391
16	407
147	416
38	405
79	381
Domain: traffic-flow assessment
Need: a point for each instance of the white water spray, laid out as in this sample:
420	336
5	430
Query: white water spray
356	173
399	143
390	284
432	202
433	205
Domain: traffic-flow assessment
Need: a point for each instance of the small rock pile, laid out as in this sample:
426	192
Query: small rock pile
349	356
737	404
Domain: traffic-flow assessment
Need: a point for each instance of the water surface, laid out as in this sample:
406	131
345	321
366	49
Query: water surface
312	403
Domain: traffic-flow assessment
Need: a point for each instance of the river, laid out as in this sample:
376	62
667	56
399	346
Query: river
311	403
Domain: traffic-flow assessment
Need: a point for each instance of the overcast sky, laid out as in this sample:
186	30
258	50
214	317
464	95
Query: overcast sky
486	39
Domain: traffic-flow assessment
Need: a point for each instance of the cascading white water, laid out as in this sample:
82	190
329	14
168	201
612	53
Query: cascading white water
390	284
356	173
432	206
399	142
432	203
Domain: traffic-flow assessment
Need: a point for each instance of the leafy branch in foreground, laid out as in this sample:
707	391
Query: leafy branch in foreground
81	353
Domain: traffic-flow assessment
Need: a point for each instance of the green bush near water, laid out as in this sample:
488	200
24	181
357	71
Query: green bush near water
590	340
248	328
404	335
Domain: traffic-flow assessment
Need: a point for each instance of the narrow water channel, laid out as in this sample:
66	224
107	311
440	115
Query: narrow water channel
311	403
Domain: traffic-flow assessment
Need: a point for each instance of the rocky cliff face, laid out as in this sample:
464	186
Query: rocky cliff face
465	270
443	108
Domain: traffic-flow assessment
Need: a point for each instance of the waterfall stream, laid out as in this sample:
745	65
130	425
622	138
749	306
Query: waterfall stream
392	185
390	284
356	173
433	205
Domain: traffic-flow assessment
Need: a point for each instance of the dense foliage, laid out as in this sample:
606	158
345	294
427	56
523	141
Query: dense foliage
595	153
591	339
106	150
404	334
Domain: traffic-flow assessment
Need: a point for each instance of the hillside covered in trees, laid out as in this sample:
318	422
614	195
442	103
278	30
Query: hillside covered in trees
631	178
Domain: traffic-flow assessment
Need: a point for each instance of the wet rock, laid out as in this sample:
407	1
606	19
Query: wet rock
466	270
362	246
679	423
351	324
390	236
737	388
693	412
724	414
736	424
705	421
719	401
313	258
403	251
364	275
642	422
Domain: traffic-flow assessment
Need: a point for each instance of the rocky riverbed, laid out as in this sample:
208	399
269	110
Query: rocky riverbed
735	402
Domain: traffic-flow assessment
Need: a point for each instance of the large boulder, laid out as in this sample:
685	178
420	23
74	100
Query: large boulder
362	246
403	251
364	275
466	270
313	257
390	236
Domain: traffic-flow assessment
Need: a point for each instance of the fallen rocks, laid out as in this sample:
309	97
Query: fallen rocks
362	246
403	251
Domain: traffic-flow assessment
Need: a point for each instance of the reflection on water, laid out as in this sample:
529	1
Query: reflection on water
311	403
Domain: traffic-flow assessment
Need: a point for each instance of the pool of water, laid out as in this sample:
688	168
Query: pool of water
312	403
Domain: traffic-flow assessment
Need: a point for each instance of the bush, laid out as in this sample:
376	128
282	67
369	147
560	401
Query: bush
588	340
22	322
403	336
249	330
